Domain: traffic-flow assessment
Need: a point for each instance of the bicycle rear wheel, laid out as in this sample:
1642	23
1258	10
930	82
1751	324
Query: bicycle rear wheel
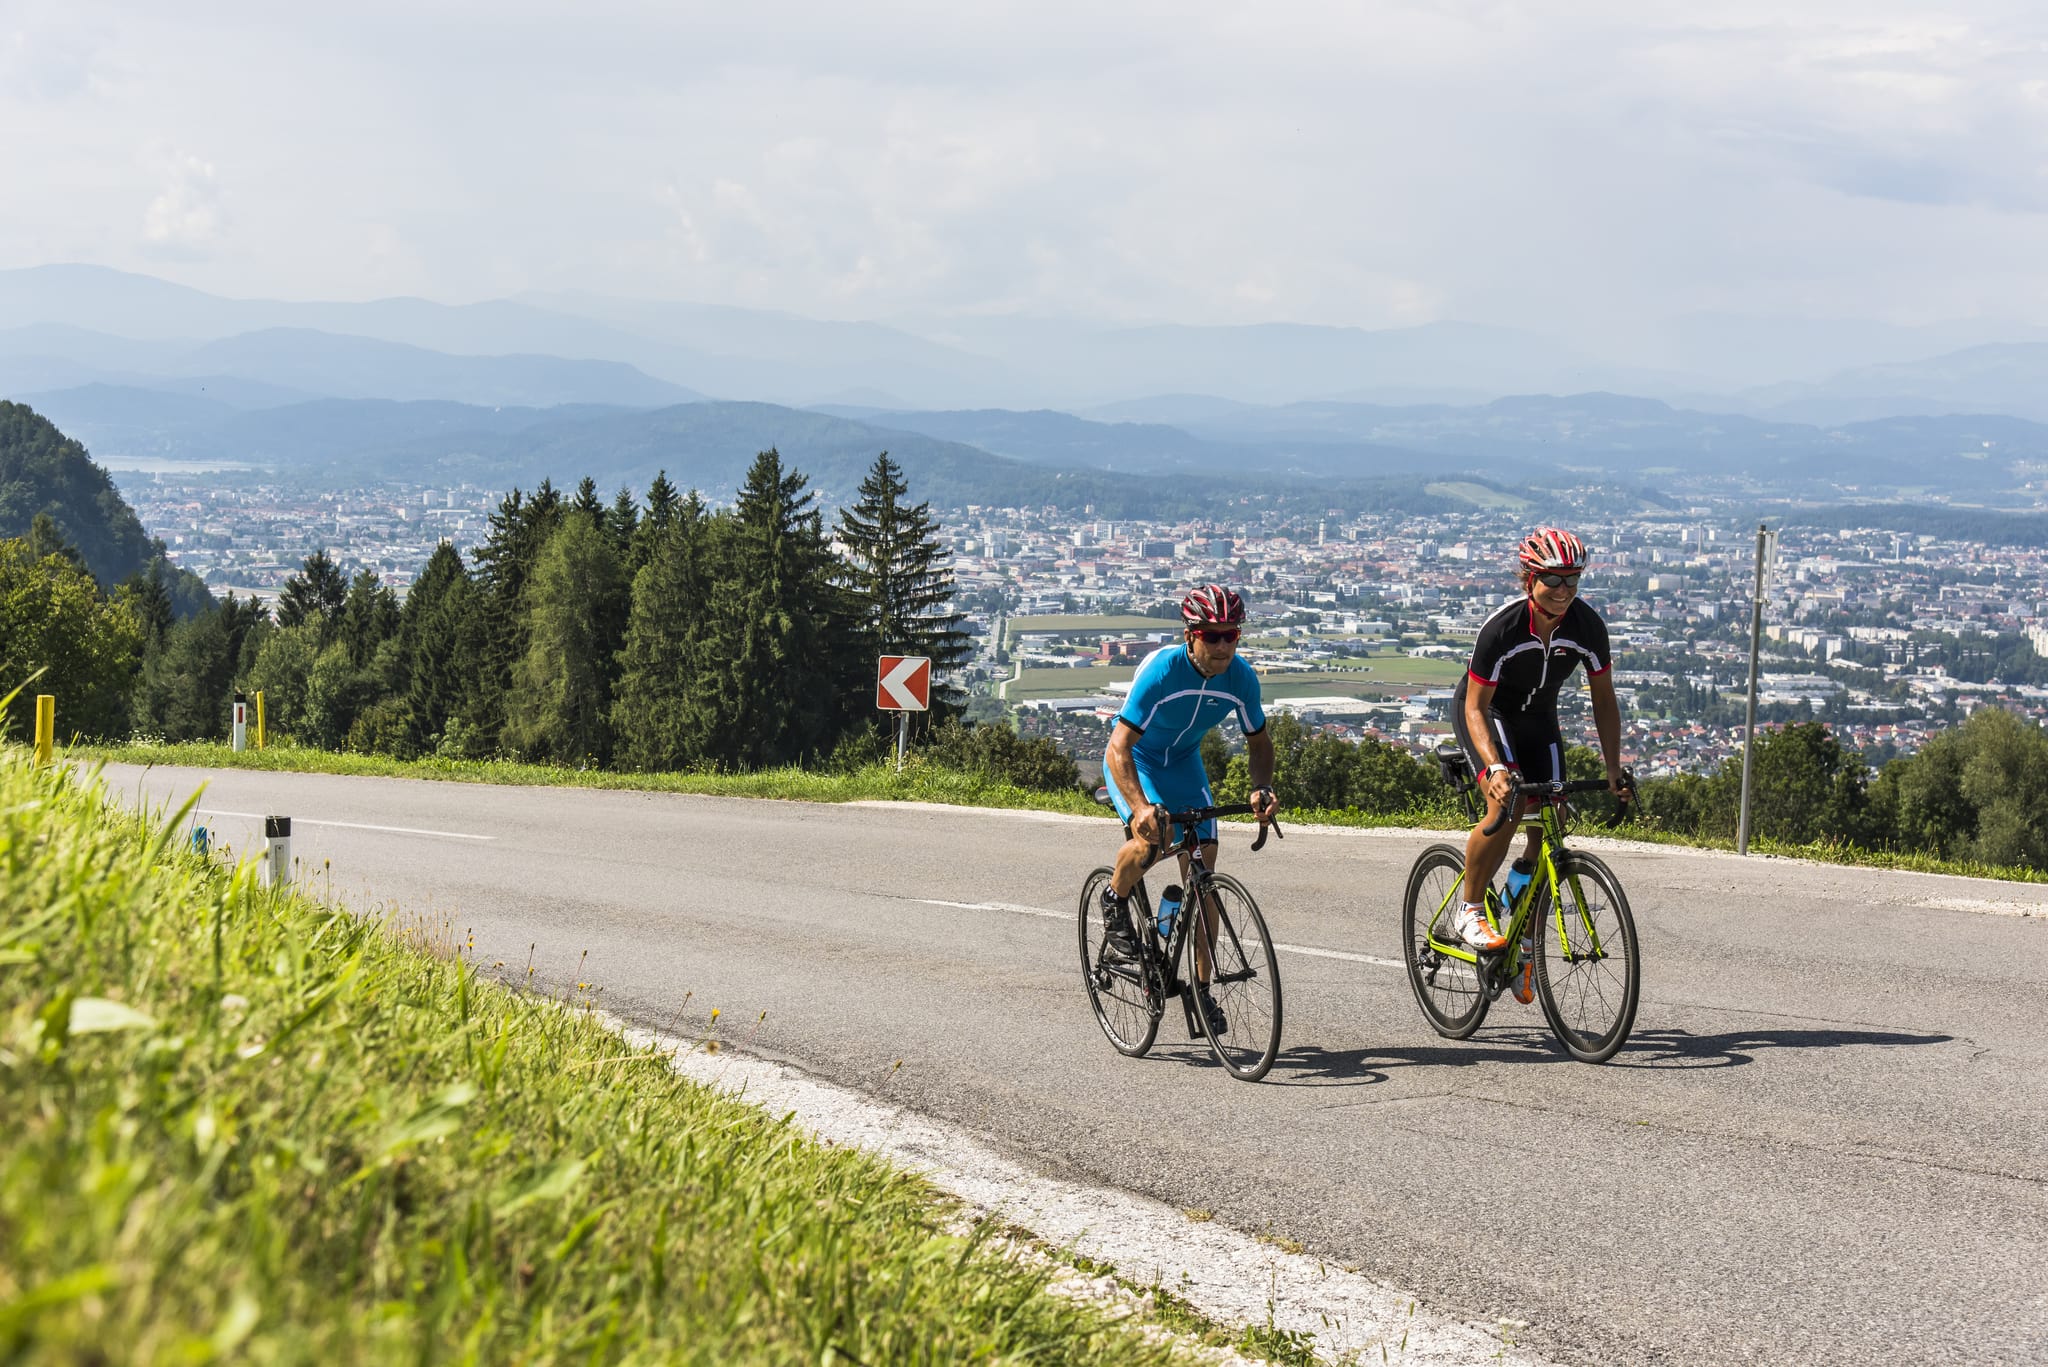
1244	979
1446	988
1587	967
1126	1011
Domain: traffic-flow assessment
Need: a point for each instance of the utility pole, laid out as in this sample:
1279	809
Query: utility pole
1756	632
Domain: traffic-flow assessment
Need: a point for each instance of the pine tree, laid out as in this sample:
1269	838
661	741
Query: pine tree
897	575
560	704
316	593
664	712
429	641
622	522
778	647
494	636
662	506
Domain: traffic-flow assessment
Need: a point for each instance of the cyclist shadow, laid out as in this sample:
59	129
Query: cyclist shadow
1308	1065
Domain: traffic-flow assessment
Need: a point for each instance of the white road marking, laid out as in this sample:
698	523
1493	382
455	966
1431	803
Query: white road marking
1310	950
351	825
1225	1273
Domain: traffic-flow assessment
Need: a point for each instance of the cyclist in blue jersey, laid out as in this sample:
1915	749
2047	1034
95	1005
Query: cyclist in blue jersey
1154	762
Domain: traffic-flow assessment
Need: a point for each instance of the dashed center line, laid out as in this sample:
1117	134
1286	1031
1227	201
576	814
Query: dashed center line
1310	951
350	825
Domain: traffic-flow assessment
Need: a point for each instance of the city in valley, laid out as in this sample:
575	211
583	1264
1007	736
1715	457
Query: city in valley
1361	622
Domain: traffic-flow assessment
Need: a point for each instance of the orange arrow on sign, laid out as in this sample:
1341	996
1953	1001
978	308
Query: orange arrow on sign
903	683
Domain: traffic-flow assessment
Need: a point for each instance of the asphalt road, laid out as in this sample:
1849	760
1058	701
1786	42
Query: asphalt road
1827	1141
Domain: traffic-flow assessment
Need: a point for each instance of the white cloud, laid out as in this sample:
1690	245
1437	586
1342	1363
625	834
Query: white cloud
184	218
1578	164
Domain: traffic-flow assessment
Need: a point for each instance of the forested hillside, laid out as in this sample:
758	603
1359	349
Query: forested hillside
44	473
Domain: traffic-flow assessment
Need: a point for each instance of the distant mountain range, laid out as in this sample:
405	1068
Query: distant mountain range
544	348
495	390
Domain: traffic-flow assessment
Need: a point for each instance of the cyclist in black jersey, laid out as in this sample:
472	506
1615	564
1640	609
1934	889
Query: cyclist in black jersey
1505	710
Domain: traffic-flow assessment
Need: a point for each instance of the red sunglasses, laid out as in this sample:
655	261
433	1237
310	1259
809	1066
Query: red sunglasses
1217	637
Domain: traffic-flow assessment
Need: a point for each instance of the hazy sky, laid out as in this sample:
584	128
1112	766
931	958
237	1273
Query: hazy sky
1369	164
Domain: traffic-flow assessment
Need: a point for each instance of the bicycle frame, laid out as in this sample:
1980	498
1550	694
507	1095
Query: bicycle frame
1195	901
1542	889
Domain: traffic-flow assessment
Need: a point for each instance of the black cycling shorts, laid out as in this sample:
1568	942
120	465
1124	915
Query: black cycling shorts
1532	746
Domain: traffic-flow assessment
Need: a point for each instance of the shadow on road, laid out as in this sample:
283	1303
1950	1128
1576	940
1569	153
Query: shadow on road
1307	1065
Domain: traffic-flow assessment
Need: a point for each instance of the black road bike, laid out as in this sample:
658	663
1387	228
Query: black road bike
1221	922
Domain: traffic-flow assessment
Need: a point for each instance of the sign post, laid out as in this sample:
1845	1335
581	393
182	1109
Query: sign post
1766	545
238	737
903	684
259	719
46	726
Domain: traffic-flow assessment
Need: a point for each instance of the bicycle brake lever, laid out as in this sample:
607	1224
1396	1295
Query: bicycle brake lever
1272	825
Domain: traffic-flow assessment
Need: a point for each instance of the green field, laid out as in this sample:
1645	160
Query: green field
1035	684
1478	494
1078	625
1369	678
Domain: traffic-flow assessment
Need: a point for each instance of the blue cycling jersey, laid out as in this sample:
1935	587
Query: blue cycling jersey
1173	704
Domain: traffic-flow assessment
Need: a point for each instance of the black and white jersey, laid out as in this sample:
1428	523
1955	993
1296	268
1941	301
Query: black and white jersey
1526	674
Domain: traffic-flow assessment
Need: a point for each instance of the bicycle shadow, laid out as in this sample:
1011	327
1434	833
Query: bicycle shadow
1308	1065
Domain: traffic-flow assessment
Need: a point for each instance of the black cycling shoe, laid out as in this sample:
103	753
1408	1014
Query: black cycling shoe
1116	921
1218	1022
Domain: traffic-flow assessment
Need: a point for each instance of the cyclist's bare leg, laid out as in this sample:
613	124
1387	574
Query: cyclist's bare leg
1483	853
1136	856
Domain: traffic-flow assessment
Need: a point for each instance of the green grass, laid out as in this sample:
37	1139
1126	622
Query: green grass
1477	494
241	1124
928	783
919	782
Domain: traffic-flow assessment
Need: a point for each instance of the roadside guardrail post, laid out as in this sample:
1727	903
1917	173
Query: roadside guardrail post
277	846
46	726
238	738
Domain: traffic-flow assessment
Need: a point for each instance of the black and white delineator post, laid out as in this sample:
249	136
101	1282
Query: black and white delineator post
238	737
277	849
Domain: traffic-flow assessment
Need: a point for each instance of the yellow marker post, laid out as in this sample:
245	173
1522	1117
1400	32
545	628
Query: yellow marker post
46	726
259	719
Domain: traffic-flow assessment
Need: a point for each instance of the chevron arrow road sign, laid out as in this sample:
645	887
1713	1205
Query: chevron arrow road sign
903	683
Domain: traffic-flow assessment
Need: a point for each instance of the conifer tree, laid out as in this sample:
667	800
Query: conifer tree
662	505
664	712
316	593
559	706
429	641
494	638
778	646
898	576
622	521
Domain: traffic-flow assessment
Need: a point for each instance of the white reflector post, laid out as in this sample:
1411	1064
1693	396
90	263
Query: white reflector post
239	735
277	845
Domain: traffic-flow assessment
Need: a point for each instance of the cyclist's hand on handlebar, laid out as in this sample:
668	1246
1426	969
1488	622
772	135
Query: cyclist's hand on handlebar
1145	822
1498	785
1265	806
1621	783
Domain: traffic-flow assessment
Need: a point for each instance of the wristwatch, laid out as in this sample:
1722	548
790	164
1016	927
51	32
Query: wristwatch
1487	772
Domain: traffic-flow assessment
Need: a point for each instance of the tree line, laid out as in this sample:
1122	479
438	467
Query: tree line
655	634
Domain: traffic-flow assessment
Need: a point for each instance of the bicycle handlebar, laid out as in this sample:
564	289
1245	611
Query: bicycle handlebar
1195	816
1551	788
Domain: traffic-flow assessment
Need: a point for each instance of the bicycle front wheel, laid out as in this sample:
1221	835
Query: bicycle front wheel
1447	988
1587	967
1244	980
1126	1011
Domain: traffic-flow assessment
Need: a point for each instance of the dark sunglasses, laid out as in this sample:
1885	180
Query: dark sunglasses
1558	581
1217	638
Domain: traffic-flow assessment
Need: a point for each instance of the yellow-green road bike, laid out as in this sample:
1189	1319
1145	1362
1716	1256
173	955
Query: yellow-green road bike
1572	916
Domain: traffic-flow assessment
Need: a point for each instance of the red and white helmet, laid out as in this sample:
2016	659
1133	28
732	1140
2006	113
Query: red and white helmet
1212	604
1552	548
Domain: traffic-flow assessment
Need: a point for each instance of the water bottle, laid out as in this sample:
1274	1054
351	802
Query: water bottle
1169	908
1518	878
